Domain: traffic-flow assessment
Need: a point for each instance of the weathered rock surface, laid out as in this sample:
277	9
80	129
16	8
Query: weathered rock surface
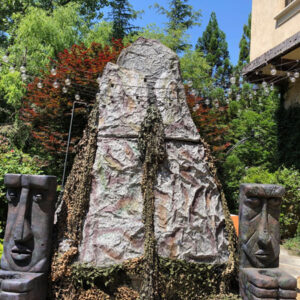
189	221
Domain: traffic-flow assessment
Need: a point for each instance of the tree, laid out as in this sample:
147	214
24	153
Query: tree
244	56
121	15
38	37
194	69
253	136
181	17
210	121
47	109
88	9
214	46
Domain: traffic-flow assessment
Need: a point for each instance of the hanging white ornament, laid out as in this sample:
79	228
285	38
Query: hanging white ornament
273	71
68	81
23	69
232	80
55	84
24	77
5	58
53	71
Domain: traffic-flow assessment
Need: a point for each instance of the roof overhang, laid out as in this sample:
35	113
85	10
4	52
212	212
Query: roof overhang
285	57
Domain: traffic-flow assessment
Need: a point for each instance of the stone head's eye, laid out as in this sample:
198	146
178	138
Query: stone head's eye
38	197
274	202
253	202
11	196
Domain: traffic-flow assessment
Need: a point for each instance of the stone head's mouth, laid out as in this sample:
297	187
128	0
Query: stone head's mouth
20	253
262	254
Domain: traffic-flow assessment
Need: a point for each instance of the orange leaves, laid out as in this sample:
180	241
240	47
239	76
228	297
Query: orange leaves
48	109
211	122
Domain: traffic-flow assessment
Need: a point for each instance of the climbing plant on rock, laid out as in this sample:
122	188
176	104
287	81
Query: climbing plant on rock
152	148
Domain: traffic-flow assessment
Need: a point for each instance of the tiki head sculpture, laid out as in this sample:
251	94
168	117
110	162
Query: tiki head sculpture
259	225
27	241
259	233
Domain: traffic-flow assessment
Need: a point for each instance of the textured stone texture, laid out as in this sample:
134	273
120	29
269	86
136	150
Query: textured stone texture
189	221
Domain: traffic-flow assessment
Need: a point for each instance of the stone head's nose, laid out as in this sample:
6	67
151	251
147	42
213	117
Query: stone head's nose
22	228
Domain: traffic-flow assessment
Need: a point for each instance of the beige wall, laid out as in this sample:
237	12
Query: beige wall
265	34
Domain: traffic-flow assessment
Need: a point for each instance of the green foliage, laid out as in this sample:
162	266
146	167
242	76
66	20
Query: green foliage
121	15
290	207
179	14
178	279
293	245
214	46
39	35
1	247
194	68
244	56
171	38
181	17
253	136
12	88
14	161
289	136
101	34
89	9
109	278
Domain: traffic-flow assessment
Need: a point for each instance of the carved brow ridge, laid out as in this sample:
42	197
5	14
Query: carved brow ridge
264	191
29	181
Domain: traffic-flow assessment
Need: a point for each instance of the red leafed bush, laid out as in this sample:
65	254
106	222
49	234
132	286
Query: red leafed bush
47	110
210	122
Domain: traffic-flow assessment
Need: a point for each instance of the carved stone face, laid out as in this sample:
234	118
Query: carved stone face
27	240
259	225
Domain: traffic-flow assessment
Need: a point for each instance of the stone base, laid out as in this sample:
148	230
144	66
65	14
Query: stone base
22	286
257	284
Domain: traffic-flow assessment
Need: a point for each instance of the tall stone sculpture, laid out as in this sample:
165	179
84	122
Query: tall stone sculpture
189	220
27	241
142	187
260	277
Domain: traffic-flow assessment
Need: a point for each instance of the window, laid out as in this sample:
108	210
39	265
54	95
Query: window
287	2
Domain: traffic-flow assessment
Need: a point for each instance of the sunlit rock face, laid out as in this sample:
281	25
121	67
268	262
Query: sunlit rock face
189	221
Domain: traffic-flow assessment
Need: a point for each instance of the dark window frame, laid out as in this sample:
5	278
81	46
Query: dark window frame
287	2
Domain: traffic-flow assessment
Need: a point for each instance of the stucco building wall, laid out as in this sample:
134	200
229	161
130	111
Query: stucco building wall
266	31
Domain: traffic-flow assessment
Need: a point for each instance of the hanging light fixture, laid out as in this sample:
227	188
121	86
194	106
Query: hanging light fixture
232	80
24	77
56	84
5	58
53	71
229	91
264	84
23	69
12	68
64	90
292	79
207	102
68	81
77	97
296	74
273	71
238	97
40	85
99	79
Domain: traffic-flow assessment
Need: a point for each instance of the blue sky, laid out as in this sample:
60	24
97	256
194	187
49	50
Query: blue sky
231	15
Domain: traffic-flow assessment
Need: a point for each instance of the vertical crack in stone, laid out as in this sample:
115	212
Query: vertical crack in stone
152	148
